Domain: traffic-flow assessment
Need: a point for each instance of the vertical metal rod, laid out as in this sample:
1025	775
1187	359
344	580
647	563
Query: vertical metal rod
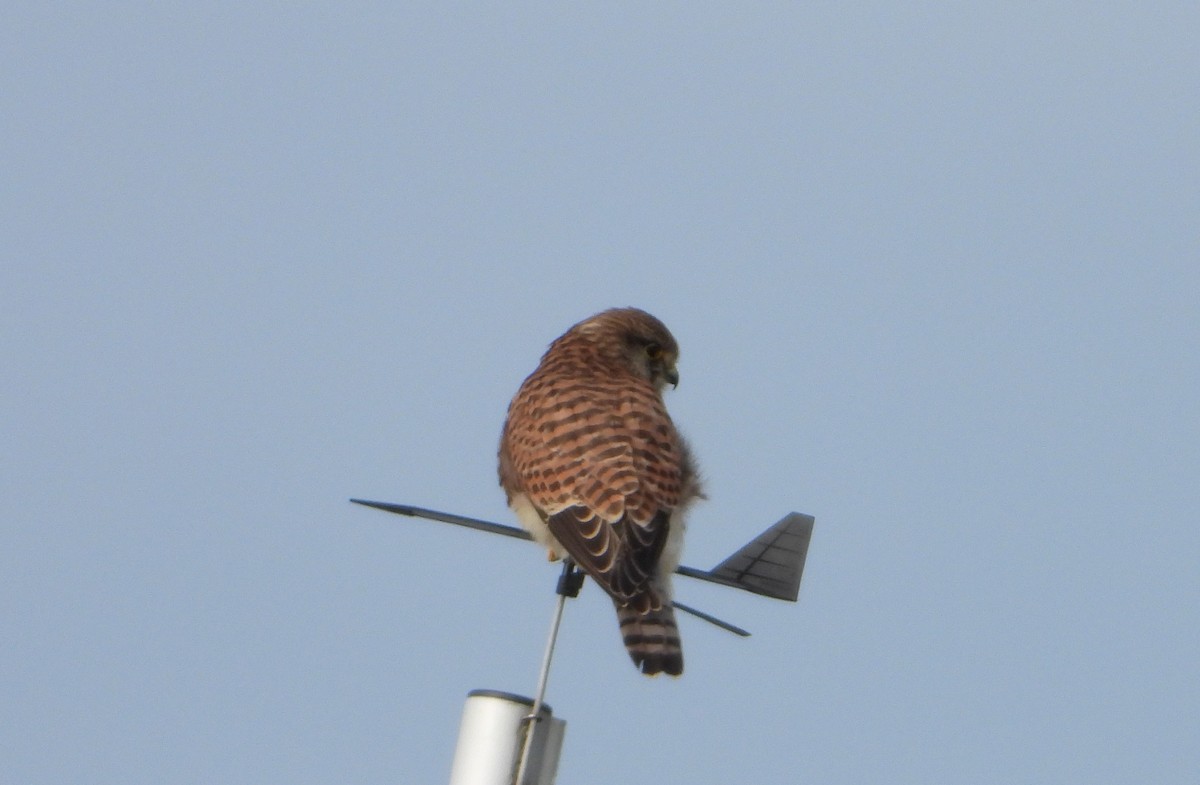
544	675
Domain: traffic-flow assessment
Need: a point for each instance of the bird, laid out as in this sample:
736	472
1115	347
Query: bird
596	471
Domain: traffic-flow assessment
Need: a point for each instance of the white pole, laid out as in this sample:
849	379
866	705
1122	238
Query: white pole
491	741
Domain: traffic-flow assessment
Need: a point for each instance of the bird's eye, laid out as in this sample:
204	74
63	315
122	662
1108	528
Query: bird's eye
654	351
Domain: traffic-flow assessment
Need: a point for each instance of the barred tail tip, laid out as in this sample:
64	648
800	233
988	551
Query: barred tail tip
652	640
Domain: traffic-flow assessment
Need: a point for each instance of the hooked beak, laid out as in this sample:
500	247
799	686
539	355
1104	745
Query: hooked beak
672	376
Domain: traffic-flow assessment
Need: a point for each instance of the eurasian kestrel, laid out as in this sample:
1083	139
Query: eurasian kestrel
593	467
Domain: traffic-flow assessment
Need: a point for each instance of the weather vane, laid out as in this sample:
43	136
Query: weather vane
596	472
506	739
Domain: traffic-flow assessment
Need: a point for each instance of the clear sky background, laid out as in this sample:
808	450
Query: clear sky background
935	272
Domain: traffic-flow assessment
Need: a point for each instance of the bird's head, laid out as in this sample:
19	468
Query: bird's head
640	340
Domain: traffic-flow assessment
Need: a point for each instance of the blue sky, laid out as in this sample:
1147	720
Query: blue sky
934	270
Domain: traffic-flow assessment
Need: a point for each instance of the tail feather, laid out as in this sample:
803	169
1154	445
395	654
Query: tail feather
652	639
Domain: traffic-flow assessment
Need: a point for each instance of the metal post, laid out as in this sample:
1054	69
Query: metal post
569	584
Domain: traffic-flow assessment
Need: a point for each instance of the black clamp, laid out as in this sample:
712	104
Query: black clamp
571	579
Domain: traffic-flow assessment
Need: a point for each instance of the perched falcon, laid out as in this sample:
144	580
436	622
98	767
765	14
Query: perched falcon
593	467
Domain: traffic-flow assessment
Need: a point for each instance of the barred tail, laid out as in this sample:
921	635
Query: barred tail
652	639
